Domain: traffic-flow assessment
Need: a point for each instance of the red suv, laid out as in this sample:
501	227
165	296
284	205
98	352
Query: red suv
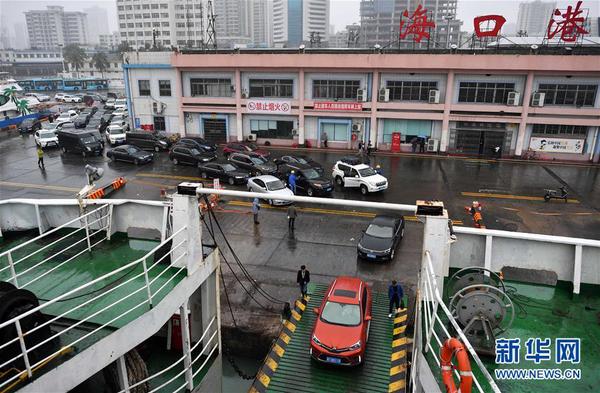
342	328
244	148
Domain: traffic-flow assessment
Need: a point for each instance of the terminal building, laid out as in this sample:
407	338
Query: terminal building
511	102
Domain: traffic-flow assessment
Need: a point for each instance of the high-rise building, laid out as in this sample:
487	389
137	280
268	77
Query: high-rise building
109	41
53	26
97	23
233	22
533	18
380	23
262	23
296	21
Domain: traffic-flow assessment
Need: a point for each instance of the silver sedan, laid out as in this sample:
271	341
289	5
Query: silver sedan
268	184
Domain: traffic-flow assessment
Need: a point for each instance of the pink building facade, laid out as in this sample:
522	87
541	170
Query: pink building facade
545	106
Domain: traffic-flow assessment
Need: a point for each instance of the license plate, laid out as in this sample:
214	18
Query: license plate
334	360
371	256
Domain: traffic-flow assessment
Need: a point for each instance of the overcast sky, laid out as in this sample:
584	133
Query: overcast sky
343	12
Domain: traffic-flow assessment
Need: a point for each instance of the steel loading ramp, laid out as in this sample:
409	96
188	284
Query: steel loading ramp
289	368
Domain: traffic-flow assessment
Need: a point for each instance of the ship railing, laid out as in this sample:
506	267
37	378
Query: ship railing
432	330
107	311
209	348
93	223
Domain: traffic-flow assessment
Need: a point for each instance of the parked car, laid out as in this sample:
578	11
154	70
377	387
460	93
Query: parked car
118	117
71	98
181	154
244	148
121	103
59	96
146	140
305	160
381	238
129	153
120	123
115	135
29	125
358	176
267	184
46	137
95	123
341	329
99	97
121	111
40	97
81	121
308	180
224	171
79	142
109	104
253	163
199	143
66	116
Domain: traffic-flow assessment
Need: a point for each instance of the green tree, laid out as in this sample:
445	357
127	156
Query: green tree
74	55
100	62
124	47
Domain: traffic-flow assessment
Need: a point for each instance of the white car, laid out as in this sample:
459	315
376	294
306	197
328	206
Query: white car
358	176
66	116
115	135
121	103
271	185
46	137
40	97
68	98
120	123
110	104
59	96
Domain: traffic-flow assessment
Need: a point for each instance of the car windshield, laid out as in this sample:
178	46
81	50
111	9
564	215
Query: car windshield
228	168
301	160
47	134
341	314
379	231
275	185
310	174
194	151
367	172
132	150
88	139
116	131
257	160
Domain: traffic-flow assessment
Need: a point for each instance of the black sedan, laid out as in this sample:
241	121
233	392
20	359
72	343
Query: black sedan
198	143
254	163
181	154
224	171
129	153
30	125
304	160
380	239
308	180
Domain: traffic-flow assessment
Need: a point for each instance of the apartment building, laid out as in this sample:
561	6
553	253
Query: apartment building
534	16
294	21
53	27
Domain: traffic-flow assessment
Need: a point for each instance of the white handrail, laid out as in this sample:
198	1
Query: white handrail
575	241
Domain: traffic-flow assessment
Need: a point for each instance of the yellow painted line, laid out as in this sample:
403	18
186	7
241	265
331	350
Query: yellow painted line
583	214
400	319
395	386
285	338
38	186
398	342
399	330
173	177
151	183
295	315
278	350
264	379
509	208
290	326
253	390
272	364
397	369
508	196
546	214
300	305
398	355
307	298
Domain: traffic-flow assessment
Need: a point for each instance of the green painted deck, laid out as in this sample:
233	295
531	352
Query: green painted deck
297	372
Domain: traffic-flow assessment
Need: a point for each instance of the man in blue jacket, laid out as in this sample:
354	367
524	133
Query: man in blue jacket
292	181
395	294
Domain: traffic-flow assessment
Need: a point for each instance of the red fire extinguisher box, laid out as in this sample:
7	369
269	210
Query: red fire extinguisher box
396	140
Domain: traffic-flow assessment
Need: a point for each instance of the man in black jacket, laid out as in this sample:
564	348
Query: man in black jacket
303	278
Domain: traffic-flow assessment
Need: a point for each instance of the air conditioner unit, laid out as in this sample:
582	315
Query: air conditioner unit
361	95
434	96
513	98
252	138
155	107
384	94
356	127
432	145
537	99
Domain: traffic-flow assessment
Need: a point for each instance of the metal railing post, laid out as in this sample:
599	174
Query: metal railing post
87	233
23	348
577	269
187	350
488	254
13	273
147	282
109	225
122	373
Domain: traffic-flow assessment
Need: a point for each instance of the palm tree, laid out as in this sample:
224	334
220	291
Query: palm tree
74	55
100	62
124	47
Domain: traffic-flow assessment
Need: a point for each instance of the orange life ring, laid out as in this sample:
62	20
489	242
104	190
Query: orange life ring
453	347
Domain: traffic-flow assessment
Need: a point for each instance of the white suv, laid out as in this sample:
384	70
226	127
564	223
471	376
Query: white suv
359	175
115	135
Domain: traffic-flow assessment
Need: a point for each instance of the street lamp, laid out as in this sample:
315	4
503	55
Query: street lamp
448	18
62	57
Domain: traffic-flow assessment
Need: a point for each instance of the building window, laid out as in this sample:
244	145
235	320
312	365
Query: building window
408	129
337	132
159	123
281	88
574	95
559	129
210	87
484	92
410	90
144	87
272	129
164	87
336	89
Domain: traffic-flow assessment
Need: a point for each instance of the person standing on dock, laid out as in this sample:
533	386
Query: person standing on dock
40	154
291	215
255	210
303	278
395	294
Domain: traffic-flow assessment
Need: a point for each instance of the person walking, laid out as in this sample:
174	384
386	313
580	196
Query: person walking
255	210
292	182
413	143
422	145
324	138
40	154
303	278
361	144
292	213
395	294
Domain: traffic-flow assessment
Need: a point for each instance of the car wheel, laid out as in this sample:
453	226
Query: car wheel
339	181
231	181
310	192
136	161
156	149
203	174
364	190
175	161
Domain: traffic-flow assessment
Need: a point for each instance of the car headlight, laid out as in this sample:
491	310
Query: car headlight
318	185
355	346
163	143
316	340
88	149
387	251
239	177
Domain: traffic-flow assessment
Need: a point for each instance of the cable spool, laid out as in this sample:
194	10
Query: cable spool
473	275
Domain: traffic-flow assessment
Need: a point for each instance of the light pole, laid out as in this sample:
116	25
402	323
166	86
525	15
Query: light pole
62	57
448	19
